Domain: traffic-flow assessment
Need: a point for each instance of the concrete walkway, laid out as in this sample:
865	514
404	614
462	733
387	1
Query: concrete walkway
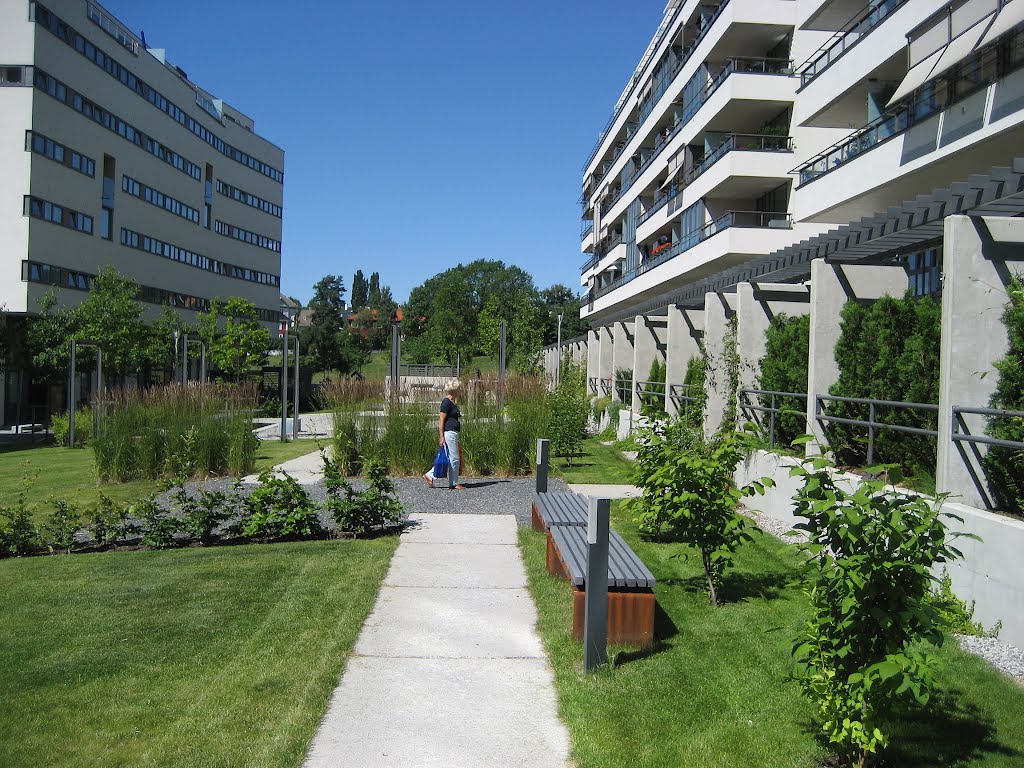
606	491
307	469
448	670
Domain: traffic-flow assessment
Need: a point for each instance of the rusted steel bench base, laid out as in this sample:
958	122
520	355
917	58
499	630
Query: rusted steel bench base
630	616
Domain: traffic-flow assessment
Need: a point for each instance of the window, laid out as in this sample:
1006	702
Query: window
159	199
41	145
183	255
38	208
106	223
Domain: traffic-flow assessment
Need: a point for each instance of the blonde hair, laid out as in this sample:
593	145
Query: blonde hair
453	387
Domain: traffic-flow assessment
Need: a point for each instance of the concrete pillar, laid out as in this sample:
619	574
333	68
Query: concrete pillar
719	308
648	346
756	305
622	352
606	359
974	294
685	341
593	356
832	285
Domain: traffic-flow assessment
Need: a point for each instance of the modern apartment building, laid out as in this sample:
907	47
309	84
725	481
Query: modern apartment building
753	128
111	155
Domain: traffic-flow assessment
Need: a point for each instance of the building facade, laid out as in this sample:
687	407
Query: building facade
111	155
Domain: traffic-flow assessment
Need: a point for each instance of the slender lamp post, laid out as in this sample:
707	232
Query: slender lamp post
558	352
295	389
286	316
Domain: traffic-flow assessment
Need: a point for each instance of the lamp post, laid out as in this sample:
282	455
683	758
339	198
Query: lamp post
295	390
286	315
72	393
558	351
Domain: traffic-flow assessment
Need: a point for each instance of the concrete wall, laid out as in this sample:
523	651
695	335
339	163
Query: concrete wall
719	308
974	292
832	285
991	573
650	334
622	351
685	341
593	362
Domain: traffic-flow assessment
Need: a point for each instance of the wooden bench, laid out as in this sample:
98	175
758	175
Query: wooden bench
630	584
558	508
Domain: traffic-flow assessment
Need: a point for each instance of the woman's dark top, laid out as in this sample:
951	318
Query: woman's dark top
451	422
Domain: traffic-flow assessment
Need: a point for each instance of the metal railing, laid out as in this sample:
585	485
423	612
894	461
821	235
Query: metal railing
741	219
740	142
962	434
852	33
592	385
656	388
872	423
750	407
606	386
624	390
588	227
415	369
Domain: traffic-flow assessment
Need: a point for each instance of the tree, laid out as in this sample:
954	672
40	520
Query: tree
359	290
234	337
559	299
488	328
569	411
111	315
373	292
527	335
452	327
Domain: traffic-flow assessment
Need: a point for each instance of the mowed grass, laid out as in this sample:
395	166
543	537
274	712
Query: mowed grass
195	657
715	691
599	464
62	473
377	366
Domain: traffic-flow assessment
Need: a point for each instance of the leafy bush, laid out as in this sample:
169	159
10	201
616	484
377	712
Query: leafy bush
869	575
888	351
203	512
784	369
279	508
61	526
109	524
19	535
696	373
956	615
624	385
365	511
689	496
159	527
1004	467
61	427
568	412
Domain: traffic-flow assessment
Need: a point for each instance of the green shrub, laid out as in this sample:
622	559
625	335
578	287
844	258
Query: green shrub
159	528
61	526
109	524
1004	467
568	411
694	380
624	385
18	533
279	508
956	615
202	512
365	511
784	369
888	351
689	496
869	573
61	427
653	403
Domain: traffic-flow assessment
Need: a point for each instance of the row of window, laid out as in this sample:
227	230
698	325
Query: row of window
262	241
57	152
38	208
63	31
159	199
48	274
248	199
111	122
16	75
158	247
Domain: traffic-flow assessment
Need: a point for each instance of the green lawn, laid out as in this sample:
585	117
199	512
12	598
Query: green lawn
377	367
715	691
599	464
195	657
71	474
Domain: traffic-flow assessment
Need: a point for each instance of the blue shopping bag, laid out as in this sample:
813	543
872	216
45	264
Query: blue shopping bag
441	462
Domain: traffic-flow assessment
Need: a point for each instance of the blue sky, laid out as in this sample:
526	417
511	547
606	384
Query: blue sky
418	133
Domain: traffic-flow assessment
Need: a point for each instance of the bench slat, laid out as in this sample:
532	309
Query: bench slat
625	568
561	508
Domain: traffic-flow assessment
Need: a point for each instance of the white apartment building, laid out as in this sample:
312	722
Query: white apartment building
752	129
111	155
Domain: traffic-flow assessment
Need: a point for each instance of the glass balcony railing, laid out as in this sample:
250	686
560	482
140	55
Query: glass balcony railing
851	34
588	227
730	219
741	142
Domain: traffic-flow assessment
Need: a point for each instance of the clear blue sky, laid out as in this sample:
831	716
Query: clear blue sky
418	133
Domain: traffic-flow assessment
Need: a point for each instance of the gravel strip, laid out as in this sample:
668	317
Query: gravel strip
1007	658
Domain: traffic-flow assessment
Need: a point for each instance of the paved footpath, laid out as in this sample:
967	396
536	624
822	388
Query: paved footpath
448	670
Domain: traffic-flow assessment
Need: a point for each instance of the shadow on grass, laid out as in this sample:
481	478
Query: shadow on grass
738	587
664	628
948	731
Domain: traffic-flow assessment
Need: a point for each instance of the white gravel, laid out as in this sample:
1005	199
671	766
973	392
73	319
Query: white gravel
1007	658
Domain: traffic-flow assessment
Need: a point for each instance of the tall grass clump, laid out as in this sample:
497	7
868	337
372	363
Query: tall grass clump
502	440
175	431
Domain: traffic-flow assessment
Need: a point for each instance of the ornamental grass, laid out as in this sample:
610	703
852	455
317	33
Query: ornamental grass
175	431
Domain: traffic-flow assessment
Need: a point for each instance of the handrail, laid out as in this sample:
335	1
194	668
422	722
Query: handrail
839	43
966	437
872	424
742	142
746	405
588	227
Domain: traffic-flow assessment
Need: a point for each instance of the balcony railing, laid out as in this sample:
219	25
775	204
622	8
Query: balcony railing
1000	59
851	34
743	142
668	80
588	227
745	219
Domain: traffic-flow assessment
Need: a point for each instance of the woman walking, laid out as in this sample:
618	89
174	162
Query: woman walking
449	424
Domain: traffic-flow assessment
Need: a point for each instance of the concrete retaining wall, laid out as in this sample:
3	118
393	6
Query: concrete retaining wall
991	573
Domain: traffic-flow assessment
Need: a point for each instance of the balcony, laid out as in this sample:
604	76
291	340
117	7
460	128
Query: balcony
588	227
729	220
851	34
